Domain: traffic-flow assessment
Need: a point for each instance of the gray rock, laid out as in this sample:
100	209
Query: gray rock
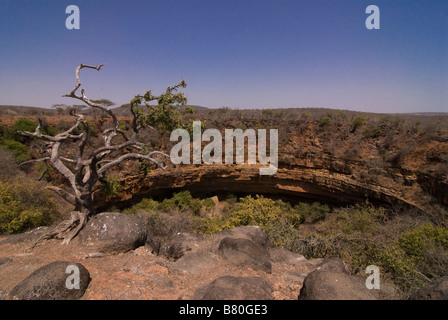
436	290
244	252
284	256
49	283
333	265
4	262
235	288
112	232
253	233
294	276
194	263
329	285
29	236
179	244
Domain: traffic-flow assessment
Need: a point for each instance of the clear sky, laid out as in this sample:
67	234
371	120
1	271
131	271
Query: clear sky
235	53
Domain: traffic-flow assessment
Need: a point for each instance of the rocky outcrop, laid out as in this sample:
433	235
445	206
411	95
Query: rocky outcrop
178	245
436	290
195	263
50	283
236	288
330	285
253	233
244	252
112	232
235	264
297	182
4	262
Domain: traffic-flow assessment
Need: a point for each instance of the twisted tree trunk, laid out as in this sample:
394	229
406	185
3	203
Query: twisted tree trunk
83	171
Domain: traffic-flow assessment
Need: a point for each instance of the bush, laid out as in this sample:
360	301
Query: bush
256	211
145	205
357	123
311	212
209	226
110	186
325	121
25	205
8	164
168	205
18	149
22	124
373	133
415	242
208	203
184	201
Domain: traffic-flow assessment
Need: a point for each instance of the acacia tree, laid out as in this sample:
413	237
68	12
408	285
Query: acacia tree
84	169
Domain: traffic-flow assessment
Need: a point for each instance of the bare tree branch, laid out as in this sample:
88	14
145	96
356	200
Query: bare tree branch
64	194
84	169
34	160
134	156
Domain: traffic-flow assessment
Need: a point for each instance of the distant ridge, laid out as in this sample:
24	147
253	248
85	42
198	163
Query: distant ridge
13	110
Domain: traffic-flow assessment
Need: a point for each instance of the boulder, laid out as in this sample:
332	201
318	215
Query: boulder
50	283
294	276
179	244
329	285
244	252
112	232
235	288
253	233
4	262
436	290
29	236
333	265
194	263
281	255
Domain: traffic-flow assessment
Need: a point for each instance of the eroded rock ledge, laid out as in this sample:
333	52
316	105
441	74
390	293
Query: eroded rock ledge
301	182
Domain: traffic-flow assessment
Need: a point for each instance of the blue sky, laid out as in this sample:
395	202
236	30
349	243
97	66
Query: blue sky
235	53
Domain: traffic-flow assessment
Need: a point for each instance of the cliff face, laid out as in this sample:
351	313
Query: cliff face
396	165
294	182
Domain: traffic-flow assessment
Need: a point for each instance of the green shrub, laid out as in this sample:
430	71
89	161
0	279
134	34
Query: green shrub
22	124
358	122
208	203
50	130
256	211
25	205
231	199
209	226
18	149
110	186
373	133
145	205
184	201
361	218
311	212
168	205
325	121
415	242
195	205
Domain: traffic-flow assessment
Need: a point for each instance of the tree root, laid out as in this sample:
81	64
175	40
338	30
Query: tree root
66	230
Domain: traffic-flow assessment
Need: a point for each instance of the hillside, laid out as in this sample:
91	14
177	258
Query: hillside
349	185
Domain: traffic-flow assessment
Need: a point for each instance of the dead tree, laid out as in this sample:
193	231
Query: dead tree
84	170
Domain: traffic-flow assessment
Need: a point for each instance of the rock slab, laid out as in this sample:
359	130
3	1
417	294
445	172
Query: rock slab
180	244
113	232
50	283
195	263
330	285
235	288
436	290
244	252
